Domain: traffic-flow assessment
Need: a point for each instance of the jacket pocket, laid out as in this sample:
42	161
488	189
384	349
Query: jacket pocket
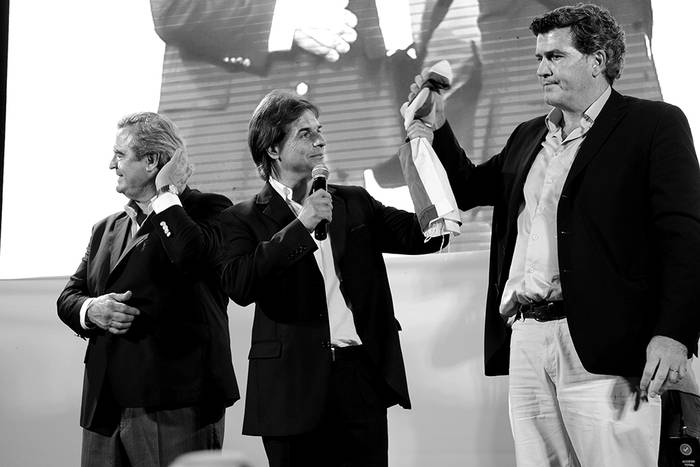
265	349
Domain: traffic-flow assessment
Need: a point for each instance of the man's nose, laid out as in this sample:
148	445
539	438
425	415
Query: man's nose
319	140
113	163
543	68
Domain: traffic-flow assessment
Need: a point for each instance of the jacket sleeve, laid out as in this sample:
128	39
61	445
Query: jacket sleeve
250	264
473	185
214	29
398	231
190	234
674	187
74	295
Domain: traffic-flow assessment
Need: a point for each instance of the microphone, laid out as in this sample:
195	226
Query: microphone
319	175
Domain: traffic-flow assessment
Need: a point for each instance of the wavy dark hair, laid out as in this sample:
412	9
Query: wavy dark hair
269	126
592	28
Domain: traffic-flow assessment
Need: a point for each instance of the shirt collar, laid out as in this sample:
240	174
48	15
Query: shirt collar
554	117
283	190
132	209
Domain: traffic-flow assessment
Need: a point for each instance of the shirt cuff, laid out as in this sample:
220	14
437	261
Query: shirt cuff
165	200
83	313
283	27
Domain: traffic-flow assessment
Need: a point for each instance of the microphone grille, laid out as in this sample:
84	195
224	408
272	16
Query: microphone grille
319	170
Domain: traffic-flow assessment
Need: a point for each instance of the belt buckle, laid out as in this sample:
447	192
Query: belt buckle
543	313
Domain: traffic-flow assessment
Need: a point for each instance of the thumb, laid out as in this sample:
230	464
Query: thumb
121	297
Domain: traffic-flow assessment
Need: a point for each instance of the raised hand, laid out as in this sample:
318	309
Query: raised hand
435	118
317	206
175	172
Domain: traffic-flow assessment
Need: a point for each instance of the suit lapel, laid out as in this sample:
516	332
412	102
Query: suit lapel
531	151
336	229
605	123
273	206
141	235
118	239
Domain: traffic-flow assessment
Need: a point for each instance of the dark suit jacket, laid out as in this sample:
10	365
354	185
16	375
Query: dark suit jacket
628	226
270	262
177	351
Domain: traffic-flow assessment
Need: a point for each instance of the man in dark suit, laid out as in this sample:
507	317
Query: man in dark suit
595	249
158	371
325	359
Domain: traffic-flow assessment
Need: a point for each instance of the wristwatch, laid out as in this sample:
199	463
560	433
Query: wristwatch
168	189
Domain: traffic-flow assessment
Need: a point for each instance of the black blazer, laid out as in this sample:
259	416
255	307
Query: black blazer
270	262
177	351
628	231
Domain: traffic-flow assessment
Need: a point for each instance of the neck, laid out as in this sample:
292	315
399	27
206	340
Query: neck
572	116
299	185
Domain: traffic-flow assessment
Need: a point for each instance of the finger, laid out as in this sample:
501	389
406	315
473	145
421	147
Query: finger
659	378
114	330
121	297
648	373
129	310
332	56
309	44
122	318
348	34
350	19
325	37
119	326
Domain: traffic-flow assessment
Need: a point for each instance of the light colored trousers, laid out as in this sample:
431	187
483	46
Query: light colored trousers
562	415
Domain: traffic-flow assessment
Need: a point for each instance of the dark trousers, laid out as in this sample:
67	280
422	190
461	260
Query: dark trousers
154	437
353	429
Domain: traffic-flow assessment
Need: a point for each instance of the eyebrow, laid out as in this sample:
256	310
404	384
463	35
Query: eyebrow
308	128
551	52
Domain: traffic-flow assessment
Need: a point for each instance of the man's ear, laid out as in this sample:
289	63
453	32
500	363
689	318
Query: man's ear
151	162
273	152
600	58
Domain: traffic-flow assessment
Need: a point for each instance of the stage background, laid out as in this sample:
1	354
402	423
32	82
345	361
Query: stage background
74	68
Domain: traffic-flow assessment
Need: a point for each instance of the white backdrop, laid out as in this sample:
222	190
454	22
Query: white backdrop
76	66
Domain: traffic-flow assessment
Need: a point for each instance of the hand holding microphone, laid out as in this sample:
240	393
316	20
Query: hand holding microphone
317	210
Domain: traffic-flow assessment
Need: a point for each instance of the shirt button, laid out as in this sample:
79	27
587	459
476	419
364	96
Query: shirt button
530	270
534	236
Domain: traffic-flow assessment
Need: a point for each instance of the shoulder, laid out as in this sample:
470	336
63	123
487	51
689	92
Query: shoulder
196	197
351	193
242	209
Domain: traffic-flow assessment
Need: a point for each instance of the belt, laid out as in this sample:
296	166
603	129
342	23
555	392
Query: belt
350	352
542	311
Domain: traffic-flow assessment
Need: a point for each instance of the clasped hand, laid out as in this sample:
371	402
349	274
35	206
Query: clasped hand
111	313
325	28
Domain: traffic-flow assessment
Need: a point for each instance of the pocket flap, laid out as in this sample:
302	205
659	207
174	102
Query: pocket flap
265	349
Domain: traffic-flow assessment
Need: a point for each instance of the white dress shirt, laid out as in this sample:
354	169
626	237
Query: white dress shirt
534	272
340	318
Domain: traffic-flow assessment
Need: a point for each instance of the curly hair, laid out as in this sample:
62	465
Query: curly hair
269	126
592	28
152	134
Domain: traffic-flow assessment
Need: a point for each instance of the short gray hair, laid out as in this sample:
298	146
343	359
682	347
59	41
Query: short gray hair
152	134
